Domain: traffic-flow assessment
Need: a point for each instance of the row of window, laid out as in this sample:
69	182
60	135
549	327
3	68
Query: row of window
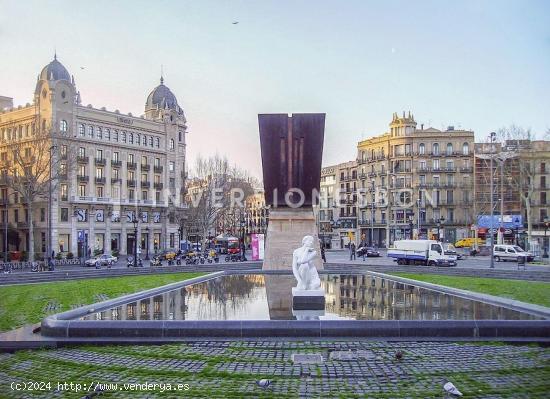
116	157
117	136
406	149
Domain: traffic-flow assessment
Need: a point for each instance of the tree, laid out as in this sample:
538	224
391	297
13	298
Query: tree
516	142
215	188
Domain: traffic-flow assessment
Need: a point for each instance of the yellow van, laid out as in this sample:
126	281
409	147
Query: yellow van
469	242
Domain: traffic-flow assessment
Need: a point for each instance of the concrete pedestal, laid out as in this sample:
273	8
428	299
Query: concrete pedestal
287	227
308	299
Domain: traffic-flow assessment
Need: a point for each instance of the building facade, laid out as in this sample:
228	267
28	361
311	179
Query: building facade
114	175
415	183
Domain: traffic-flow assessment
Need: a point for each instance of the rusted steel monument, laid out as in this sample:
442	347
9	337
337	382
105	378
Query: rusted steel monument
292	149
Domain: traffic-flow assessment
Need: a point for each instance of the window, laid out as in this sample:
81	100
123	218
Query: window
172	182
543	182
543	198
157	162
62	126
123	137
99	173
172	240
115	135
81	131
114	173
157	142
99	191
63	151
131	158
130	138
81	170
42	214
99	132
131	194
131	175
16	215
449	149
435	164
180	136
157	196
421	149
91	132
64	214
465	149
151	141
144	140
172	145
144	195
82	190
157	179
407	149
64	192
144	160
143	177
436	180
435	149
172	166
542	167
542	215
450	197
107	134
99	154
81	151
115	156
138	138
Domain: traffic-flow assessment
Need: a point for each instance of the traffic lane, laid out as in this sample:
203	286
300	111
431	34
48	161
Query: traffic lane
478	262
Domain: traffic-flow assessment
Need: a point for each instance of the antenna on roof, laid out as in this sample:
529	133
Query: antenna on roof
55	53
161	74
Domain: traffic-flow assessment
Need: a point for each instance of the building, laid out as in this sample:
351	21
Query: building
113	174
415	183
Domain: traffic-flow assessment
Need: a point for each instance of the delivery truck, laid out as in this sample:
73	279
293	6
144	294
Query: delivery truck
420	252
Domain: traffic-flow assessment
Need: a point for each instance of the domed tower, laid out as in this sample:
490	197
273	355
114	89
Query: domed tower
56	95
162	102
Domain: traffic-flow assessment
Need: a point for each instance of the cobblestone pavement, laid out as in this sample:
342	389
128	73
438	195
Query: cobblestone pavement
225	369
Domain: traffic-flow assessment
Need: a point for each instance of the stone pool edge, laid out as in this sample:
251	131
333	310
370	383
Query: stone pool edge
59	326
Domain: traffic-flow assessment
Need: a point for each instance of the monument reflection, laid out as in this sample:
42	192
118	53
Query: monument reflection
268	297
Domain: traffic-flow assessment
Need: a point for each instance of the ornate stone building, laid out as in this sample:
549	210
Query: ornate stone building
415	182
113	173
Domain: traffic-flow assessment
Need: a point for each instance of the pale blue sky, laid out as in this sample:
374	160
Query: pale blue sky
476	64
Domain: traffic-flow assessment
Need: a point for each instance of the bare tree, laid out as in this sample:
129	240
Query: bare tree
215	187
516	142
30	171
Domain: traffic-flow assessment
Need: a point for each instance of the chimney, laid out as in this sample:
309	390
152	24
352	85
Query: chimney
421	126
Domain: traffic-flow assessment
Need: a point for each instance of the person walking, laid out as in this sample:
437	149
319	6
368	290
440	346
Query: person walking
352	251
323	256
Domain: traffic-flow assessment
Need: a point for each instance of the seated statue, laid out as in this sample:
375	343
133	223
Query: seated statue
303	268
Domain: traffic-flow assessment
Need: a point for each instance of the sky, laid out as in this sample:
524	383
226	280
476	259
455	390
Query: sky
477	65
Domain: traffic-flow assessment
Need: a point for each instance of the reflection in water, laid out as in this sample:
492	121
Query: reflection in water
269	297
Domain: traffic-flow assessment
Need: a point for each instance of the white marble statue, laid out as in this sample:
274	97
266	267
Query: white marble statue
303	268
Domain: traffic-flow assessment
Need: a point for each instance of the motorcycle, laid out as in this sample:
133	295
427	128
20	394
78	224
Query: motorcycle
156	261
131	263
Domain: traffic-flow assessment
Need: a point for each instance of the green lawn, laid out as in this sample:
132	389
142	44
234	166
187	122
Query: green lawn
525	291
24	304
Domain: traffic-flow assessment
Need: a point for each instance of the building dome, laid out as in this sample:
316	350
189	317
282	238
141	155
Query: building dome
55	71
162	97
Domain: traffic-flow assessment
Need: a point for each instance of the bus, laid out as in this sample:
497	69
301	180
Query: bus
227	244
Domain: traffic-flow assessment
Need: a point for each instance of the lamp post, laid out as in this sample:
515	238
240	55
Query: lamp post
372	216
546	224
52	148
418	210
411	225
492	138
243	224
135	222
147	243
439	223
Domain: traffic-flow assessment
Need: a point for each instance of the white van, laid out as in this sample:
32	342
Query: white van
510	252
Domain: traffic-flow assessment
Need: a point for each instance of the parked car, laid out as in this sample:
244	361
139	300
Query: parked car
511	252
469	242
101	260
167	254
369	252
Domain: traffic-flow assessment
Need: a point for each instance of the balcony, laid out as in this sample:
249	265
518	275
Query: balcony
145	167
64	198
131	183
100	180
158	186
362	176
82	159
116	163
361	161
423	170
372	174
82	178
131	165
62	176
115	180
158	169
145	184
22	225
466	170
100	161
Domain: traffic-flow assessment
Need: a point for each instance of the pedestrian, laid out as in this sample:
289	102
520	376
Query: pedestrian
51	265
323	256
352	251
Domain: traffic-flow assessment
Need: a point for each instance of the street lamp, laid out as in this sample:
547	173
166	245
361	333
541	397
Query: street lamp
418	201
147	243
50	203
243	224
135	222
439	223
411	225
546	224
492	138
